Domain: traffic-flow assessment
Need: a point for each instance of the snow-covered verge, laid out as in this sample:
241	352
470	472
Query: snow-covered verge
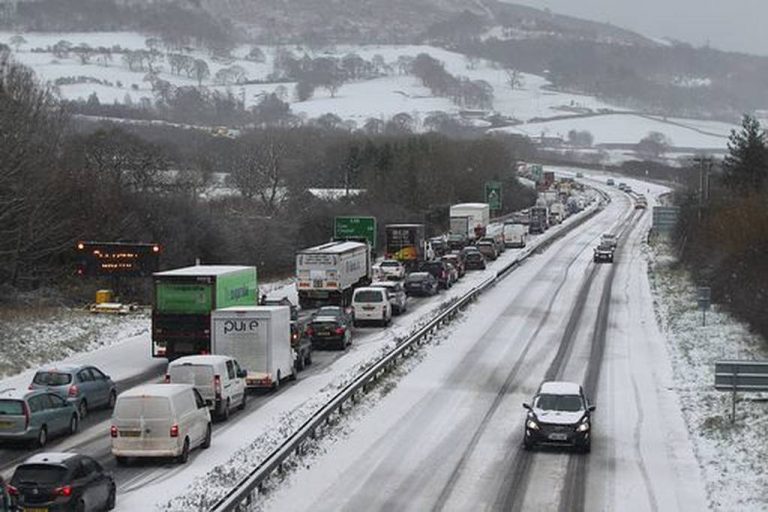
32	337
732	456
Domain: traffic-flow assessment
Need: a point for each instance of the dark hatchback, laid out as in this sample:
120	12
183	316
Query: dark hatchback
439	270
62	481
474	260
329	331
420	283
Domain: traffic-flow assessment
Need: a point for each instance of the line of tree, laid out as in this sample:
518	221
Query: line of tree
61	181
462	91
723	233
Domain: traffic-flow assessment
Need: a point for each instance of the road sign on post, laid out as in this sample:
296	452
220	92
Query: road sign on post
665	218
736	376
704	300
355	228
493	194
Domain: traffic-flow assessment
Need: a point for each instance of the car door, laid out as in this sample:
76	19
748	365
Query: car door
84	480
101	386
57	413
230	386
101	481
198	417
86	385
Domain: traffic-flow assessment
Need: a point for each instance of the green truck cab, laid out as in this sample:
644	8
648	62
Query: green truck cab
184	300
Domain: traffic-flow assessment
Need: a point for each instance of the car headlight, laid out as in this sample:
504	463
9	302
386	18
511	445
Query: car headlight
531	424
583	426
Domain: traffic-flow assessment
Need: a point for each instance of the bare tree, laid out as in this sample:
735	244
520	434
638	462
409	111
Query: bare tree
201	71
258	169
16	41
514	79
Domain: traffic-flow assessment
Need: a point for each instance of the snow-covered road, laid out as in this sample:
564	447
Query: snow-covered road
449	435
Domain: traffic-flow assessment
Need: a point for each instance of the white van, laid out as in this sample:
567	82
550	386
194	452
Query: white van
219	379
371	305
159	420
515	234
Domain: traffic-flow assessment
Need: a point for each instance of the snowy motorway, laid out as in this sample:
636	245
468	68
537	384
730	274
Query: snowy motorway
449	436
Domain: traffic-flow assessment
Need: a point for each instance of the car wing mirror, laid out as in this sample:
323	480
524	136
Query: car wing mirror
242	373
527	406
591	408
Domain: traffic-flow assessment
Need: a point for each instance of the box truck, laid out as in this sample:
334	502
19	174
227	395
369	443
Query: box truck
259	338
478	215
329	273
405	243
184	299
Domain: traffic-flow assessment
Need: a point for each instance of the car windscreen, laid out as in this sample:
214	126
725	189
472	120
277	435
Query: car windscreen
11	408
39	474
395	264
147	407
369	296
566	403
52	379
195	374
415	278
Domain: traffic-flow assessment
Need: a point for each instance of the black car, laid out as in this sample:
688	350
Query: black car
559	415
474	260
439	271
62	481
420	283
330	328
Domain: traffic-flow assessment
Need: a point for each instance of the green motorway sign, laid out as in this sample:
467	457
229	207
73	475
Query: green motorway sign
493	194
355	228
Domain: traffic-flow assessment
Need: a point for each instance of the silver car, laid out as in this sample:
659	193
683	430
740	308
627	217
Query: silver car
35	416
396	295
86	387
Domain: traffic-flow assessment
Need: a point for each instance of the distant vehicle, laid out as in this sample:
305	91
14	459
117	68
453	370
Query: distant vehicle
579	175
610	182
184	299
457	261
609	239
334	311
521	217
628	189
467	250
475	260
557	213
302	348
641	203
457	241
439	245
371	305
330	331
439	270
406	243
159	420
488	249
515	234
559	415
259	337
390	269
396	295
622	186
539	221
86	387
35	416
61	481
478	217
329	273
603	253
218	379
420	283
453	273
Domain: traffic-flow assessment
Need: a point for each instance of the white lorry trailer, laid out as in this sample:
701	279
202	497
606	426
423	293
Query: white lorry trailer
479	215
329	273
259	338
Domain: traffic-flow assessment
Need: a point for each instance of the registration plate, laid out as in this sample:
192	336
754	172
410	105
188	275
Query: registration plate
6	424
323	333
130	433
25	509
368	308
558	437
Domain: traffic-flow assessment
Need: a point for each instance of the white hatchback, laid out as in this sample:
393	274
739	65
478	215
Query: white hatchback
371	305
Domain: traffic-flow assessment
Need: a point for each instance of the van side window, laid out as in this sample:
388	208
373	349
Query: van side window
230	369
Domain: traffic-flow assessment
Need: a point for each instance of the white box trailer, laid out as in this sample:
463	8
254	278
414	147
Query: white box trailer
329	273
479	215
259	337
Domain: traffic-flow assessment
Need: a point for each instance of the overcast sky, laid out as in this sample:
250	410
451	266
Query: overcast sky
736	25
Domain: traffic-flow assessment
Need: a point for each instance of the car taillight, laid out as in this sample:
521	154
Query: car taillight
339	330
294	336
175	431
73	391
63	491
113	431
12	490
167	378
217	384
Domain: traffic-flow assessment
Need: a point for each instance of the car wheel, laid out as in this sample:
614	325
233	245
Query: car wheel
42	437
587	447
299	364
207	439
184	455
73	424
308	360
112	498
112	399
276	384
225	412
82	408
527	446
244	401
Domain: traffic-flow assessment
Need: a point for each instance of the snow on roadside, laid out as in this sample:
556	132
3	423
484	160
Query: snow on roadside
732	456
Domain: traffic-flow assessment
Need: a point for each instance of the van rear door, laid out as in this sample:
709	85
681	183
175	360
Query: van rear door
144	423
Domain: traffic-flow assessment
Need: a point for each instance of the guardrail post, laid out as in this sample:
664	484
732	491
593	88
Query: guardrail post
733	396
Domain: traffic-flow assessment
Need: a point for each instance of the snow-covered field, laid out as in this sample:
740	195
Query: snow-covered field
732	456
358	101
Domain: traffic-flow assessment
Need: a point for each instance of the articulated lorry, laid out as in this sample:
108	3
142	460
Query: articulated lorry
184	300
329	273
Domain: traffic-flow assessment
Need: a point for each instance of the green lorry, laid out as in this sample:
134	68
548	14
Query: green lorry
184	300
